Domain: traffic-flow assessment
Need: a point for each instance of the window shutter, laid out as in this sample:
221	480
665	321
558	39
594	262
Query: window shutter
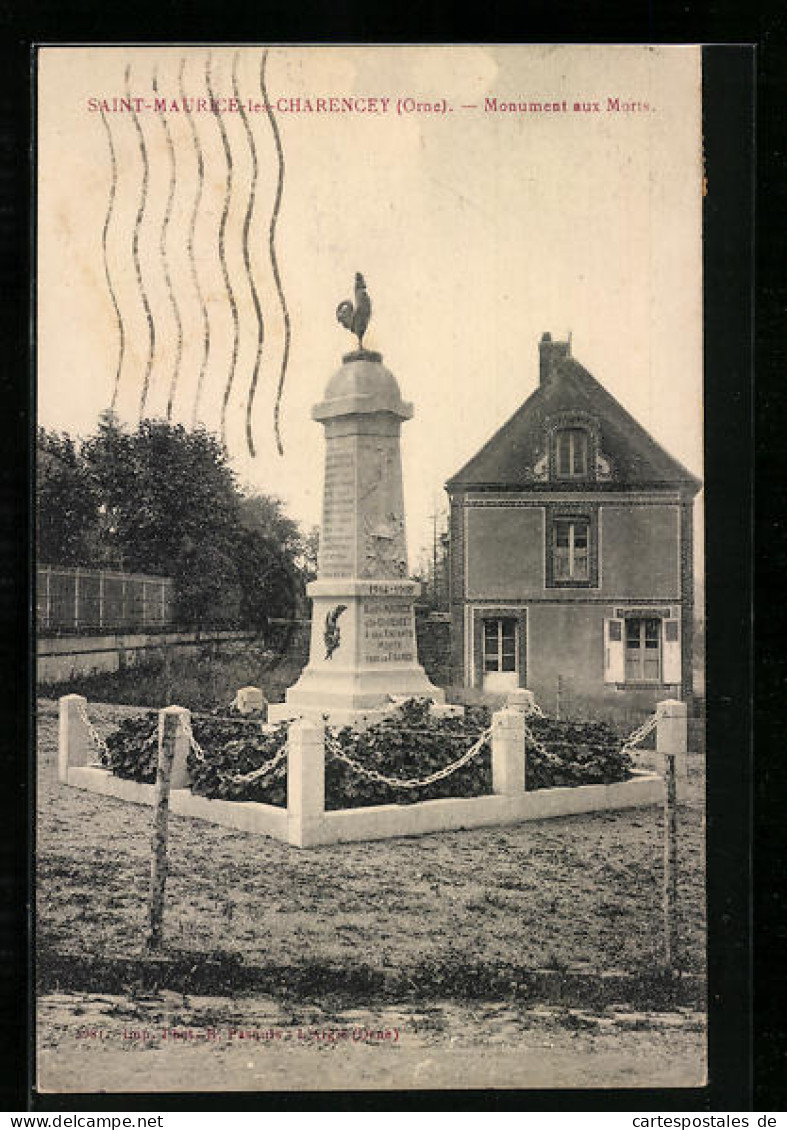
671	643
614	666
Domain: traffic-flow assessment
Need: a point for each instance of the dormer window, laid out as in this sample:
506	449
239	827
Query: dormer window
571	453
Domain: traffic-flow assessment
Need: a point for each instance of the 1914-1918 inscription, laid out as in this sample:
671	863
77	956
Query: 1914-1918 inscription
388	631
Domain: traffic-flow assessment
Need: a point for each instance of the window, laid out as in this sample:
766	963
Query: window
571	550
643	650
500	644
642	647
571	453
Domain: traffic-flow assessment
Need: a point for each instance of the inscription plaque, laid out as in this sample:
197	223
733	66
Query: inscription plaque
337	548
388	631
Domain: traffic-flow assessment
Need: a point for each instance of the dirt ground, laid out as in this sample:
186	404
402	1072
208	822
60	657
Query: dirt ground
575	894
108	1043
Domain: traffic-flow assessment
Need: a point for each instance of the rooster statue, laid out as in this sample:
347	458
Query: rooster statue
356	317
332	633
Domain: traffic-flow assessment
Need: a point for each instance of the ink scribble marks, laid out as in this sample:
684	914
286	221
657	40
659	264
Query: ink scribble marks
165	258
104	233
223	254
159	234
272	250
143	198
247	258
190	243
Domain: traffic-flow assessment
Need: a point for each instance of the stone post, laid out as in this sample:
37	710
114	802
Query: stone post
521	700
179	778
508	752
249	699
305	782
74	738
672	733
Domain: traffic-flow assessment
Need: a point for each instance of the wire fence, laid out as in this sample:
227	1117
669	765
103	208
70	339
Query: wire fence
76	599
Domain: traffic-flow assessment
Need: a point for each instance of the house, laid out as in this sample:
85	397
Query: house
571	536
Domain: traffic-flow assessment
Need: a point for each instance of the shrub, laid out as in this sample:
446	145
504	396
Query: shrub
409	743
579	753
132	753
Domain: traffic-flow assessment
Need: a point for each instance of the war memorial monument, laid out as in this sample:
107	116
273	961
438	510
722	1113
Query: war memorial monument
362	655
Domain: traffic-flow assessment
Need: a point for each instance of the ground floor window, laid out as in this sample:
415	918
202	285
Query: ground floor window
500	644
643	650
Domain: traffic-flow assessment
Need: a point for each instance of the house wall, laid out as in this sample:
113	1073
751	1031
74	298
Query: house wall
566	643
498	559
639	551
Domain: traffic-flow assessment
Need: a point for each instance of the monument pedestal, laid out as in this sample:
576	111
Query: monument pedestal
375	662
363	647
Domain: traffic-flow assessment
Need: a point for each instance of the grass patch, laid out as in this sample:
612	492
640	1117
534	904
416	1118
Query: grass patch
206	681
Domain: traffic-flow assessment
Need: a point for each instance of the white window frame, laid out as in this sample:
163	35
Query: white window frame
641	678
570	434
572	577
499	645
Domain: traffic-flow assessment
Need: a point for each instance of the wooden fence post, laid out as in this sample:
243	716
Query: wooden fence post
73	737
171	738
671	740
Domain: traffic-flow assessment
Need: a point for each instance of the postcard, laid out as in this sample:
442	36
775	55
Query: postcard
370	578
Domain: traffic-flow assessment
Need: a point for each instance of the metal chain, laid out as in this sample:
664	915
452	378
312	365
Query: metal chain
539	745
194	745
411	782
631	741
276	765
636	736
95	737
243	778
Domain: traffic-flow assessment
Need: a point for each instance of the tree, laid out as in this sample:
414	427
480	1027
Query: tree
271	550
162	499
164	488
172	506
67	503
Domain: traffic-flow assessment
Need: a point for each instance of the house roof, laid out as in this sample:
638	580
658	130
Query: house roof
507	460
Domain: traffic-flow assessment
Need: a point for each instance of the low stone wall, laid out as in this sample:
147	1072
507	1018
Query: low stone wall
384	821
306	822
60	658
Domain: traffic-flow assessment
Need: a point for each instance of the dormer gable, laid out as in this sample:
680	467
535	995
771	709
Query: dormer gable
571	432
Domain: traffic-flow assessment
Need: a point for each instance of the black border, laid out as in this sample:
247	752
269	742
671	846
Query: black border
729	139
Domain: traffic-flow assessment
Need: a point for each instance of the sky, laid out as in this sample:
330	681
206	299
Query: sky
477	229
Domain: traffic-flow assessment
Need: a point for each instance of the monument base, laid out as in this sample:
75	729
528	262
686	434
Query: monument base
344	716
362	654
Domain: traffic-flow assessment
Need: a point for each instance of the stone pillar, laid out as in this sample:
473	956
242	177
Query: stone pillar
180	778
305	782
74	746
521	700
672	733
249	699
363	646
508	752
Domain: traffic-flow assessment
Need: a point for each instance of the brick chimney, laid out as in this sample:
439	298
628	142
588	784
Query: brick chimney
551	353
